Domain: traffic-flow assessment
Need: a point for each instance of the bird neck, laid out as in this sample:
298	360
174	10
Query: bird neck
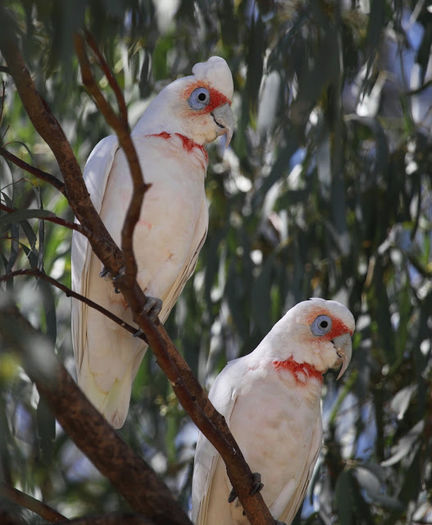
301	372
187	143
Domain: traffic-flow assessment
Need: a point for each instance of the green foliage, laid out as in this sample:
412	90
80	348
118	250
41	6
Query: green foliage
326	191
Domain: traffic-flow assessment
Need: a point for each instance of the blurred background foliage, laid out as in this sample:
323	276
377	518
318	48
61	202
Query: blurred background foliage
325	191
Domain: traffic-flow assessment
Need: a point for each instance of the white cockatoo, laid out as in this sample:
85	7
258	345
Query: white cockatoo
271	400
169	139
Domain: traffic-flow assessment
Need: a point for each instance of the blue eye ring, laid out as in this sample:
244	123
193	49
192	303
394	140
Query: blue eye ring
321	325
199	98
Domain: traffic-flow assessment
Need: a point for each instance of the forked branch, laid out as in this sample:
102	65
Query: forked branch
187	388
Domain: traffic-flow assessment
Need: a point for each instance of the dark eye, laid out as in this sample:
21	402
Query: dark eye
321	325
199	98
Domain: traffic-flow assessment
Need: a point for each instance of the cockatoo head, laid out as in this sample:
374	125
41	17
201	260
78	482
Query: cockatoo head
317	332
197	106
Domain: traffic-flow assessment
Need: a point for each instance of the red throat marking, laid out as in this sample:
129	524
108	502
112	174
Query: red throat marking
300	371
187	143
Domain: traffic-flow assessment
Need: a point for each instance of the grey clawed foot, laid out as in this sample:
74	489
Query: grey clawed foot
152	307
280	522
256	487
117	277
256	483
232	496
104	272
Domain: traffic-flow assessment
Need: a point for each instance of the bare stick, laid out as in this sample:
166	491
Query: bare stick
112	519
110	77
70	293
40	174
55	220
121	127
24	500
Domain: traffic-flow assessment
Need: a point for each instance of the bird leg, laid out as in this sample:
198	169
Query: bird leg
256	487
152	307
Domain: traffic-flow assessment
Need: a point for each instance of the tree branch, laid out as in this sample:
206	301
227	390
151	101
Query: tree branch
55	220
188	390
40	174
110	77
24	500
129	473
121	128
70	293
50	130
112	519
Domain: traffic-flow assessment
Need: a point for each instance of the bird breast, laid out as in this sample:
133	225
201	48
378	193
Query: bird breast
275	424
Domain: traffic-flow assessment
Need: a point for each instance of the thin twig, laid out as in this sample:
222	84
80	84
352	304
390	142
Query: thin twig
110	77
70	293
112	519
121	128
40	174
24	500
56	220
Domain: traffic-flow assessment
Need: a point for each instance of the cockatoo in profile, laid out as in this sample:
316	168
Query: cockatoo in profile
271	400
169	139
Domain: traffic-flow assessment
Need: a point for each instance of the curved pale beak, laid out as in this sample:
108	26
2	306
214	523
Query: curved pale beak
343	346
224	120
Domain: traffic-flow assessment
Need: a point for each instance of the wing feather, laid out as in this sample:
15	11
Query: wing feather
296	500
96	173
207	460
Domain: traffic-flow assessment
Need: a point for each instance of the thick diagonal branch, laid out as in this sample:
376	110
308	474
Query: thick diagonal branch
129	473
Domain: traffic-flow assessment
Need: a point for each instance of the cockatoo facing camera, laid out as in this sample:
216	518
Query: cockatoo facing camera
271	402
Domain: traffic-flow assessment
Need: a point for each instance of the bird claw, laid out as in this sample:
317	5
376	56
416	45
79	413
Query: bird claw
138	333
104	272
152	307
232	496
117	277
256	487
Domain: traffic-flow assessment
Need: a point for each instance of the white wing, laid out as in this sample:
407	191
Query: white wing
296	500
209	475
96	172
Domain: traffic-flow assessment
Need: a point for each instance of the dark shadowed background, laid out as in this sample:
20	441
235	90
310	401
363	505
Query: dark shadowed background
325	191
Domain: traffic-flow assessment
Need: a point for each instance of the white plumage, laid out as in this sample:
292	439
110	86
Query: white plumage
169	139
271	402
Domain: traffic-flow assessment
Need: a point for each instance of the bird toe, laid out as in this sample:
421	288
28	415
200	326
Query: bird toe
256	483
152	307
